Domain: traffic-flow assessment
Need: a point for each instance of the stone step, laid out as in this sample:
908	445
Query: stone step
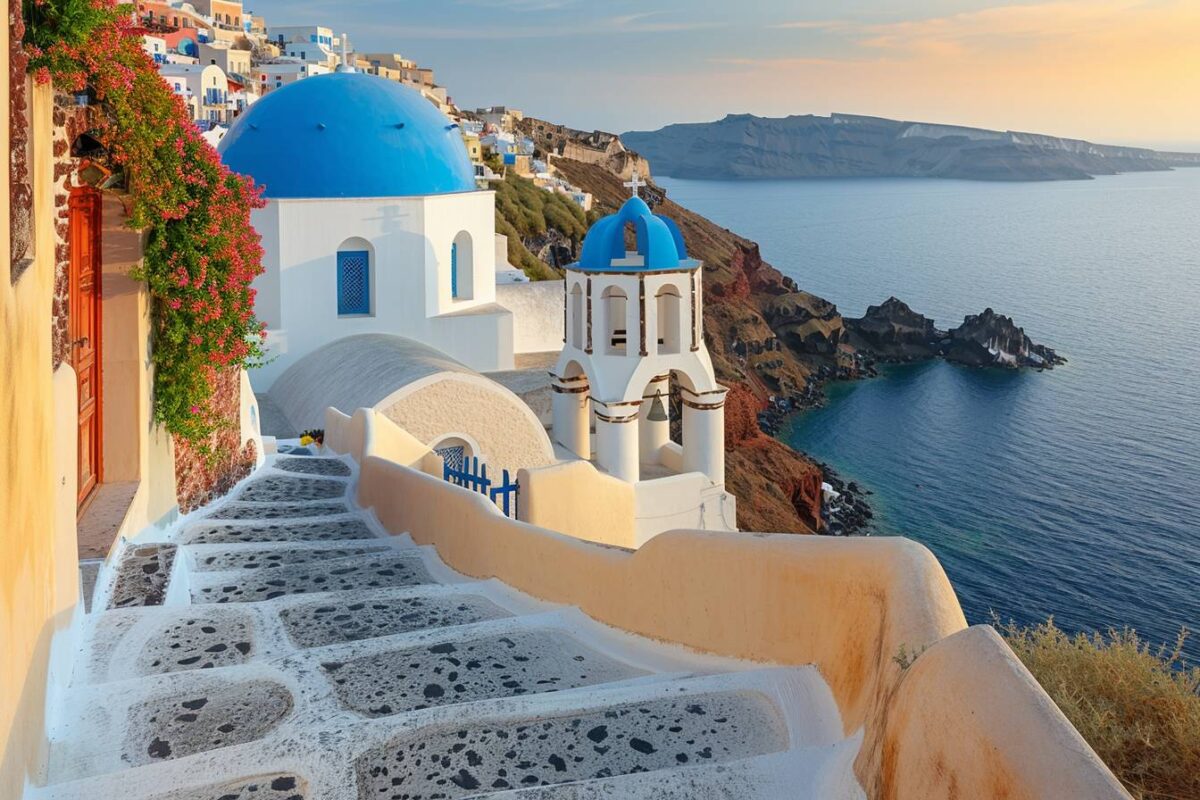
142	576
229	558
227	734
653	735
277	488
165	639
811	773
293	511
221	531
309	465
370	571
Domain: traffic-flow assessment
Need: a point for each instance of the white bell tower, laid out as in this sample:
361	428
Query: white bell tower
634	327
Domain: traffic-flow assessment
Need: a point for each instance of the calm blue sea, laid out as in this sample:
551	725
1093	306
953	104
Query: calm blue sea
1074	492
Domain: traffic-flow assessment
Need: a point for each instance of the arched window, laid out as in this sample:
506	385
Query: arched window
462	267
668	319
354	279
454	450
615	335
577	316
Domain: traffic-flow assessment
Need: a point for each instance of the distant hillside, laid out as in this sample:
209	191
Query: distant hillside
844	146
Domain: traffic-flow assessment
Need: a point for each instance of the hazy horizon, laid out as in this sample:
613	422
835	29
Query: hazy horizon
1109	71
1190	146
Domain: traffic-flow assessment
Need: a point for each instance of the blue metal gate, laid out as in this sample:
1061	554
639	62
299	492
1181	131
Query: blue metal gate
473	475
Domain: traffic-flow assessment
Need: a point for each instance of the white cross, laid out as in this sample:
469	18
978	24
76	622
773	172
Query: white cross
634	184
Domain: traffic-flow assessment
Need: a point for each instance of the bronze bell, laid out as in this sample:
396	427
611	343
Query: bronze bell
657	412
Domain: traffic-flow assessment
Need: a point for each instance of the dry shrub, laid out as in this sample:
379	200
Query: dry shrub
1138	708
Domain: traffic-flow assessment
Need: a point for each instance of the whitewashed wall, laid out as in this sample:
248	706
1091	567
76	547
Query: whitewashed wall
537	308
410	241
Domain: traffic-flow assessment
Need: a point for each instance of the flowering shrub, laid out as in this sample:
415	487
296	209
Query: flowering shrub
202	253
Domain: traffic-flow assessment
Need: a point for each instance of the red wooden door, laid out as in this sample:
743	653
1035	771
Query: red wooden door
85	333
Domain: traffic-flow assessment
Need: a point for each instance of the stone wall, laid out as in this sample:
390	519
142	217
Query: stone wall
70	122
207	471
20	186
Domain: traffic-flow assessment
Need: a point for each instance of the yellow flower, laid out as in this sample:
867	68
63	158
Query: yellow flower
306	440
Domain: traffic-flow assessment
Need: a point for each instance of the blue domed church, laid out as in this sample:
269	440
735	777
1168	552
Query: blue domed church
373	222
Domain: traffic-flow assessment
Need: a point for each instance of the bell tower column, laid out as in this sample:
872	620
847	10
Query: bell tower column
617	442
571	411
704	434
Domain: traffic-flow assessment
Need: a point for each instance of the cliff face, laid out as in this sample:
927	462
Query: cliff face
843	145
751	315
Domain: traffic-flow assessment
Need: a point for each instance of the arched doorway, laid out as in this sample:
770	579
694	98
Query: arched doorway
455	450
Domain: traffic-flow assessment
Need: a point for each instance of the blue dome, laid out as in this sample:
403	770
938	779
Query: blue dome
660	245
348	134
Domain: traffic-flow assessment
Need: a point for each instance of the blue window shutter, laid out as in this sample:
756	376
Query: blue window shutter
454	270
354	282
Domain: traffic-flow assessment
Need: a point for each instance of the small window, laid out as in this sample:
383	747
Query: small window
354	282
462	267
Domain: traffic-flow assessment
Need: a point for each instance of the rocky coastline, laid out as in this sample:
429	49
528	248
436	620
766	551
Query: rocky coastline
892	332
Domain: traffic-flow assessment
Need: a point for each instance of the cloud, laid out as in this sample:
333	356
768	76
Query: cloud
1011	27
813	25
645	22
1109	70
520	5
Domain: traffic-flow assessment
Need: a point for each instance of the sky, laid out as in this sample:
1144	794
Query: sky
1112	71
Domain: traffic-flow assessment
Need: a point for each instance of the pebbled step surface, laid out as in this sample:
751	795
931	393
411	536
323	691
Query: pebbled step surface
464	762
331	531
368	572
198	643
324	623
461	672
267	787
287	489
276	557
314	466
244	510
143	577
173	726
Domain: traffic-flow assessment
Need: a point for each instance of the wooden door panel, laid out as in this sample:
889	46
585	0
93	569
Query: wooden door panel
85	333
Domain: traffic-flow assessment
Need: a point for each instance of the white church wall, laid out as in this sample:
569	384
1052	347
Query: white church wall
687	501
445	217
537	309
298	296
267	300
481	338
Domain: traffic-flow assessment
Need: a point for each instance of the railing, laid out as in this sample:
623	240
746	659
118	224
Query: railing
473	475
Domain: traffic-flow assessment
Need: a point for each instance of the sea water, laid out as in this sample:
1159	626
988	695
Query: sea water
1073	492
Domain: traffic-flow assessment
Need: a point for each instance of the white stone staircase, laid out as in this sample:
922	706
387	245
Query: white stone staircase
298	651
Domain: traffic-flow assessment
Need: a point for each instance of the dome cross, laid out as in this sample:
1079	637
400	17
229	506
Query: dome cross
634	184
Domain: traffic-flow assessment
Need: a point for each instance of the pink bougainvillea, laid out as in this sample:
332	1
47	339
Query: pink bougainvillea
202	252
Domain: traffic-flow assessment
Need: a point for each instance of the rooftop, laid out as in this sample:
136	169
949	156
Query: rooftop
348	134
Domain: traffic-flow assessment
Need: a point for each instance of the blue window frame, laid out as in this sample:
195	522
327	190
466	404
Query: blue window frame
354	282
454	270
